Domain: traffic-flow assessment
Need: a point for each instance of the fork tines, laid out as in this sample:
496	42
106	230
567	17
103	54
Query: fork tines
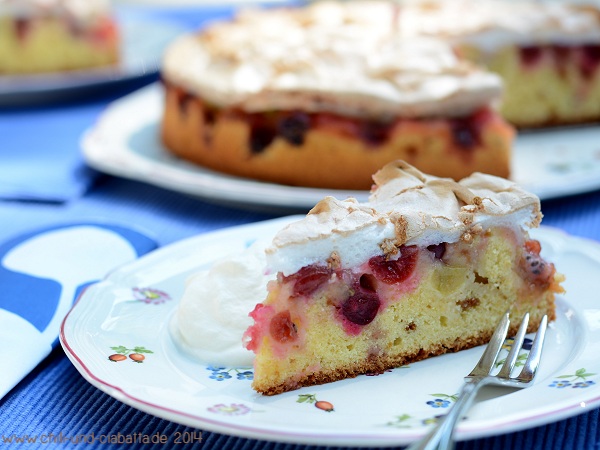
487	362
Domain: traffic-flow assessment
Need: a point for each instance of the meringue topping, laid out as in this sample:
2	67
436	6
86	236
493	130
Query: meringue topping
492	24
79	9
332	57
405	207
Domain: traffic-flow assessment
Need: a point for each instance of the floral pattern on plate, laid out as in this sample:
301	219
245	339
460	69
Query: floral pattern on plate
579	379
223	373
150	296
311	399
135	354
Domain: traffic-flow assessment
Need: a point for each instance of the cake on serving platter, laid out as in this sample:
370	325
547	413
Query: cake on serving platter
547	53
425	267
46	36
325	95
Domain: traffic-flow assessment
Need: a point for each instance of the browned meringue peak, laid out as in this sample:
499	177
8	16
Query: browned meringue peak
401	187
327	57
405	207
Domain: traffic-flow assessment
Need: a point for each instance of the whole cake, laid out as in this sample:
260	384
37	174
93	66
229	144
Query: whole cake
56	35
427	266
547	53
327	94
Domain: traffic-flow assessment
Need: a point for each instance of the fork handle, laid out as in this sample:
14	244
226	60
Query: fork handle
440	438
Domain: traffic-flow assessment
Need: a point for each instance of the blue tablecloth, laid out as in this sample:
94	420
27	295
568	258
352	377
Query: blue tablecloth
39	150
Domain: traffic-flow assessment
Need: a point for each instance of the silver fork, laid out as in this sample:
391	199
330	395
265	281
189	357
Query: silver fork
440	438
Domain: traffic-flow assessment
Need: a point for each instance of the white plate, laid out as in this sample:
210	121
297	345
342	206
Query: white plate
125	142
388	409
143	43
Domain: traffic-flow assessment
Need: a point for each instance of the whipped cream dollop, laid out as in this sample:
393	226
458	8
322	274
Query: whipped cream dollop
405	207
212	315
75	9
328	57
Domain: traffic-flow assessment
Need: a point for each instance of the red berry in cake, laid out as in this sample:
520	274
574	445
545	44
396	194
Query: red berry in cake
293	128
367	282
464	133
589	60
537	266
362	307
183	99
282	329
533	246
310	278
210	114
331	123
561	54
375	133
397	270
531	55
539	272
438	250
22	27
261	136
106	31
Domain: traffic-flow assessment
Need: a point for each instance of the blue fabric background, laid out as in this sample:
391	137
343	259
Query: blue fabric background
42	144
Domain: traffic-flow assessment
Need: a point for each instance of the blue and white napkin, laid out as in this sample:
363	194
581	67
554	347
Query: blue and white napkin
41	274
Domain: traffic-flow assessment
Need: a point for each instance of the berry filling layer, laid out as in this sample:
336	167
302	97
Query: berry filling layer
353	299
292	126
586	58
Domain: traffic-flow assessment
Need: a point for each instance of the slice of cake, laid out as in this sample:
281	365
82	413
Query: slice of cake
547	53
427	266
56	35
324	96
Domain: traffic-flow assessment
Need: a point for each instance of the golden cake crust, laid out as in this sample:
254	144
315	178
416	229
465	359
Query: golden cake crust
378	365
332	155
